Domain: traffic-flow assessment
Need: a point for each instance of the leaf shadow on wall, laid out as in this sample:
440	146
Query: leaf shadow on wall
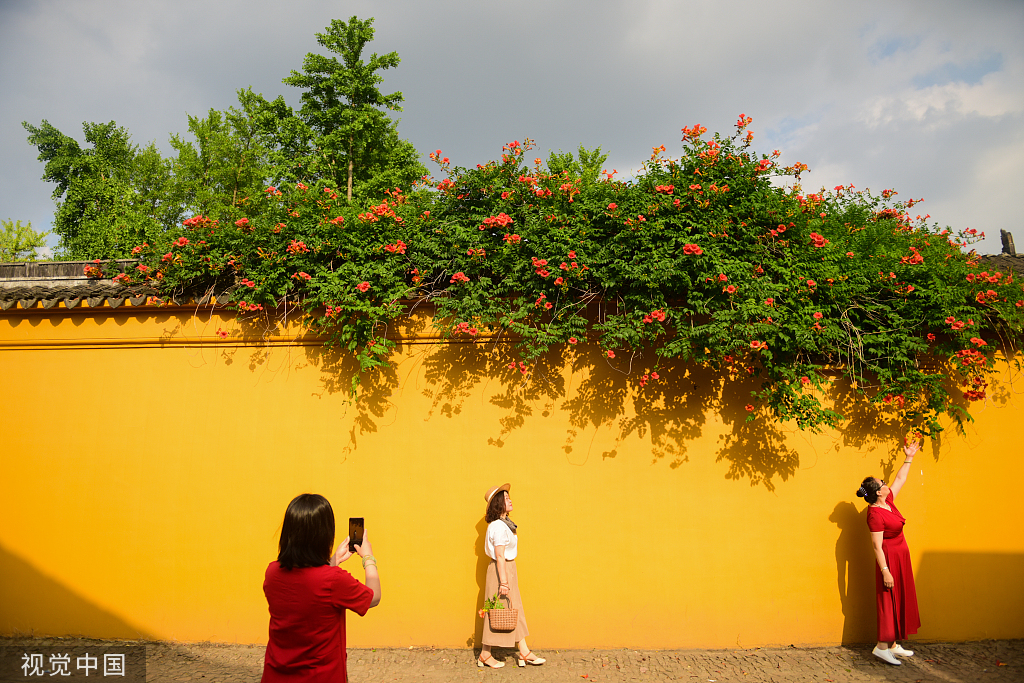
672	410
595	392
598	393
337	370
520	392
866	424
873	427
455	372
855	573
755	450
451	373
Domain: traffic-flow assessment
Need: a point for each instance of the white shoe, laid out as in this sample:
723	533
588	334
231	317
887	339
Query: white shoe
900	652
529	658
886	656
495	664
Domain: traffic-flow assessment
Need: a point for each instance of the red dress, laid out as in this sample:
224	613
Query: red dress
307	622
897	606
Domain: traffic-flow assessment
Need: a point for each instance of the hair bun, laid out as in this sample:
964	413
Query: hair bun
862	492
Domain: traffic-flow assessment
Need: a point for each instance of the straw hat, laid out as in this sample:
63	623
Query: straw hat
490	492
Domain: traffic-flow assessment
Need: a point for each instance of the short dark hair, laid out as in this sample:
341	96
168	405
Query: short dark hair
307	533
869	489
495	506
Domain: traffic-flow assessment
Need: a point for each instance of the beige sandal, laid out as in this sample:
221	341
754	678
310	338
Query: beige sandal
529	658
491	662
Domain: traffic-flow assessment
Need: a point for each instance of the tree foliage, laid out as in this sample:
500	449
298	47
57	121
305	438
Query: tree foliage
342	106
112	195
19	242
222	173
586	166
706	258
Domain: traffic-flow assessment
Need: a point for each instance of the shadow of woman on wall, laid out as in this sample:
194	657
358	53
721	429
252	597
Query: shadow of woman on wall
476	640
855	573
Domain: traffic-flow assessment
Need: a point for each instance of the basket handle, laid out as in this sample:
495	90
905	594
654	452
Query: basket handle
508	601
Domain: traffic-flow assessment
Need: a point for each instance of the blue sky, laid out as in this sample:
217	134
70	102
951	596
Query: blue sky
923	97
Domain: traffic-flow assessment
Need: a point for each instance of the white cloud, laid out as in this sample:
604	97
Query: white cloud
998	94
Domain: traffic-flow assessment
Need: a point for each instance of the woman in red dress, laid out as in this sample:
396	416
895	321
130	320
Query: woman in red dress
308	593
894	577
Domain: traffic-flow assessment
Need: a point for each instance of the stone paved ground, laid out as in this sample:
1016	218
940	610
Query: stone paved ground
999	661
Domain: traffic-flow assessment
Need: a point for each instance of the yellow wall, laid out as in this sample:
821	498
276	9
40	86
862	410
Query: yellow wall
146	464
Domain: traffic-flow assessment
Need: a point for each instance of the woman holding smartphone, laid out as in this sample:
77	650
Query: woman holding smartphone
501	544
894	578
308	592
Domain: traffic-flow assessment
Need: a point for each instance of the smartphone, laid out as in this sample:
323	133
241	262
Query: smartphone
355	533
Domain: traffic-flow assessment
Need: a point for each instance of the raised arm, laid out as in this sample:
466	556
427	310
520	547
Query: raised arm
910	450
365	553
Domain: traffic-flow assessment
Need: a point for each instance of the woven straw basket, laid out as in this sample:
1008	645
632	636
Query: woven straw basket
504	619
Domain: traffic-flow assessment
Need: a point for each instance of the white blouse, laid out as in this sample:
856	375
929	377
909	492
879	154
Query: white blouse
498	533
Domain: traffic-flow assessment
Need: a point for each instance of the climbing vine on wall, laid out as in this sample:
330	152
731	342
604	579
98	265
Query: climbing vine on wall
717	257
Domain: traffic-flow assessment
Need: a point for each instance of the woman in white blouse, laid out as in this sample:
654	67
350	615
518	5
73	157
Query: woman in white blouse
501	545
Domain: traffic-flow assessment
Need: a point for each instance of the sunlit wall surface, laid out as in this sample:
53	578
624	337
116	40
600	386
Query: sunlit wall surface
146	463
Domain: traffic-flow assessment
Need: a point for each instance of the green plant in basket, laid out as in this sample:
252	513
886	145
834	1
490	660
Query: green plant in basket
493	602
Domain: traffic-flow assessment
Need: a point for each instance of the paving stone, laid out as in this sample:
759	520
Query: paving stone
996	661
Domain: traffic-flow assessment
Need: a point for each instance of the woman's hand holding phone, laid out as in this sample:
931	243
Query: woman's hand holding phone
364	548
341	554
372	577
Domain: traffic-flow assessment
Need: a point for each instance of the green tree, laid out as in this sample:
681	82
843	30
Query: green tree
224	174
19	242
357	143
110	196
155	185
586	167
